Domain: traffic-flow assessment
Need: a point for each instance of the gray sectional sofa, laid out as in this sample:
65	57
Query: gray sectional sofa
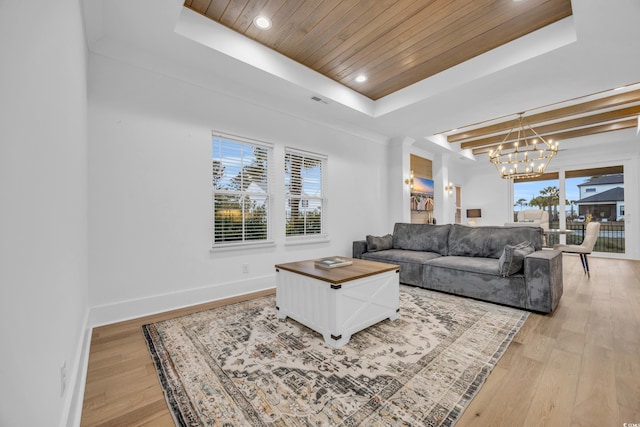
504	265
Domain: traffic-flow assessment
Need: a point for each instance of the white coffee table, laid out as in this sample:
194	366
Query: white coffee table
340	301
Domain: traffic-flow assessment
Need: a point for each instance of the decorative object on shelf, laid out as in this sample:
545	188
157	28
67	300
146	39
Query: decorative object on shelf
449	188
409	181
472	214
525	157
332	262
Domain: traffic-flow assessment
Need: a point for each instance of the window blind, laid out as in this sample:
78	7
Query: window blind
241	180
305	176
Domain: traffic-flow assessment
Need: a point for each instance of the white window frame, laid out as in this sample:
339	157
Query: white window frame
307	199
230	141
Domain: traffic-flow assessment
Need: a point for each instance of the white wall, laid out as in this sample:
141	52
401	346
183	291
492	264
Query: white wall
43	208
150	192
482	188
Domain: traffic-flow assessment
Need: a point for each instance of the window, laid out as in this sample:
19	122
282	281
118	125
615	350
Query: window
542	193
594	194
241	190
458	216
304	176
602	204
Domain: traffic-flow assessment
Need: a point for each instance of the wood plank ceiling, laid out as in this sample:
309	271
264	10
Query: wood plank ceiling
395	43
604	112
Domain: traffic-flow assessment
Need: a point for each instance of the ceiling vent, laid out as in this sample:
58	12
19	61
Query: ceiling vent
318	99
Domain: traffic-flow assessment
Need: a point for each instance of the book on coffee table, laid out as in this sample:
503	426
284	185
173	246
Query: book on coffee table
332	262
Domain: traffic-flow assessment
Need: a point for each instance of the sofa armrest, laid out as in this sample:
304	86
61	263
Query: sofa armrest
359	247
543	275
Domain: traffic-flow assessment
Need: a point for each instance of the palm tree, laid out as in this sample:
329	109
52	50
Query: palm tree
521	203
571	203
552	193
538	202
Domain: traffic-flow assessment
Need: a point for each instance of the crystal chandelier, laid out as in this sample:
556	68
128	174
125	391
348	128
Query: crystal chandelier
526	157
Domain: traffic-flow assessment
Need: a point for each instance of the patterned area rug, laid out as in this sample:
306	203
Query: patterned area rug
239	365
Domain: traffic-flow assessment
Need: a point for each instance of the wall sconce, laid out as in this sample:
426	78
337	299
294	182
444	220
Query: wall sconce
409	181
449	188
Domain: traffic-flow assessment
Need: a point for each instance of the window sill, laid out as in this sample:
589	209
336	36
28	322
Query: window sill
294	241
225	247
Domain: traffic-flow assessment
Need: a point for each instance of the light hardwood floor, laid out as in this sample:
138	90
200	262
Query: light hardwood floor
577	367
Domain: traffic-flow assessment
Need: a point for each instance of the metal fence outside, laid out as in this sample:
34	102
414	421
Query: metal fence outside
610	239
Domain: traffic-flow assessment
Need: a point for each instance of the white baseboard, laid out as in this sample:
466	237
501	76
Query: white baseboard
125	310
72	409
131	309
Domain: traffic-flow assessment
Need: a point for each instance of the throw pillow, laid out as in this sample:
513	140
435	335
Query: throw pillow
512	259
379	243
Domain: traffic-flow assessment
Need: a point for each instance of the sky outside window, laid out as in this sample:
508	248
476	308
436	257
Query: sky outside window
529	190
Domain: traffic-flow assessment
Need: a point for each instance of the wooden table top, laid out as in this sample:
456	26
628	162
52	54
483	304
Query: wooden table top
558	231
359	269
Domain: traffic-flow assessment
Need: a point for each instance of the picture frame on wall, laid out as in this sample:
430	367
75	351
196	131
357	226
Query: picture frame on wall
422	194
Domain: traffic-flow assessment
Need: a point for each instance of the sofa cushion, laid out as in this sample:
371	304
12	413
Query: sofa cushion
469	264
512	259
379	243
395	256
422	237
489	241
476	278
411	263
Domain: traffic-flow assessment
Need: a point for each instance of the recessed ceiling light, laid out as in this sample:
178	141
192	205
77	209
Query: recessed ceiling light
361	78
262	22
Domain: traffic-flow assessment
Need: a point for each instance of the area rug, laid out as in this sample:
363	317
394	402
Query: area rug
239	365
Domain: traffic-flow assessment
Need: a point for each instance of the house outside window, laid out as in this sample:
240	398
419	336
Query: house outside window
605	205
305	207
241	180
606	195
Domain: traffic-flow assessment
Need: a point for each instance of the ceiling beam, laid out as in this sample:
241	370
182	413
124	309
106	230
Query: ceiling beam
609	127
547	176
556	127
582	173
572	110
